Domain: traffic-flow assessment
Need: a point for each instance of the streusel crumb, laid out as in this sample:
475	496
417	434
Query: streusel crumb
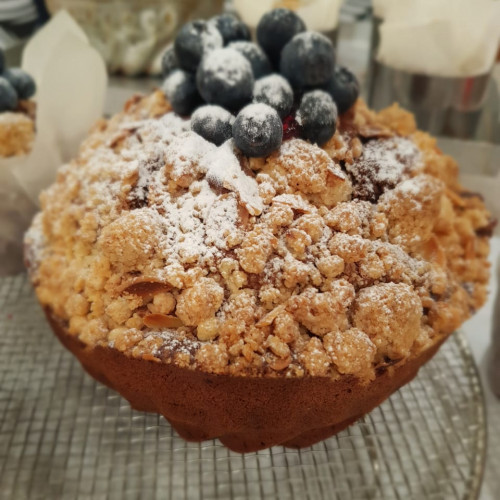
329	261
17	133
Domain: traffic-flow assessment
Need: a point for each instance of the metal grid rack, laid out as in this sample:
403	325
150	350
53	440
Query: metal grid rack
64	436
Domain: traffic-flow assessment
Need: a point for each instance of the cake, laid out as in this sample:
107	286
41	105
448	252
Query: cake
17	111
17	130
262	293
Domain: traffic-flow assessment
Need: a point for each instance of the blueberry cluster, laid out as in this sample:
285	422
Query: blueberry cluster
15	85
257	93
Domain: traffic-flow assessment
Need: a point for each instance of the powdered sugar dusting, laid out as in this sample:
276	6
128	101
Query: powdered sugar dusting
383	164
223	168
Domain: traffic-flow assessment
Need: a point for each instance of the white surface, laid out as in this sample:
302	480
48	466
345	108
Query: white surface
478	331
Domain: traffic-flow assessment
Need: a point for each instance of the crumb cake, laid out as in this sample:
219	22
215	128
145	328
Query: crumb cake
17	110
243	281
259	301
17	130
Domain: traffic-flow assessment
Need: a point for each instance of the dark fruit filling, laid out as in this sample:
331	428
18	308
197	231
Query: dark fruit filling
291	128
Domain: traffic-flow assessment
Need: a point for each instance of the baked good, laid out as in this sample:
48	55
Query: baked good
17	110
261	300
17	130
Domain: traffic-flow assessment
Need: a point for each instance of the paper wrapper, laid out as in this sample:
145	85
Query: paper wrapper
444	38
319	15
71	83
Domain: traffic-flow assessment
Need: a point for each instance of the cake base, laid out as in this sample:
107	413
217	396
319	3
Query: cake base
245	413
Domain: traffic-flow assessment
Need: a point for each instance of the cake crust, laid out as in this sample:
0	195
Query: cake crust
245	413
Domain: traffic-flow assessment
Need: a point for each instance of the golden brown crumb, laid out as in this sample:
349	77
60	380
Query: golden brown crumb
17	133
323	262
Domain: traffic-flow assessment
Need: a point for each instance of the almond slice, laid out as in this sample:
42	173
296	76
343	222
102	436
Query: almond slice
270	316
144	287
162	321
278	364
455	198
370	131
434	252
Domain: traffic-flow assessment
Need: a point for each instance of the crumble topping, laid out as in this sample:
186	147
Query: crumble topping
330	261
17	132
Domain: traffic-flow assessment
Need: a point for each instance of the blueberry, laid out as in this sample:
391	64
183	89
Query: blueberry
23	83
276	92
193	41
317	115
255	55
225	77
180	89
213	123
8	96
169	61
258	130
308	60
343	86
231	28
276	29
2	61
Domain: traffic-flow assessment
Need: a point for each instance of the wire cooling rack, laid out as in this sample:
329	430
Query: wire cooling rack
64	436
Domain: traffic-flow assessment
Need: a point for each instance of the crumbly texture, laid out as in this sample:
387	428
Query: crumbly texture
17	130
330	261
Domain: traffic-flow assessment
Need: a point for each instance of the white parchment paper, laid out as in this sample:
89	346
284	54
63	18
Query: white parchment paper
449	38
71	83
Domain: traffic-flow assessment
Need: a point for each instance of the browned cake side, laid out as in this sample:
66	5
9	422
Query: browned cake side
245	413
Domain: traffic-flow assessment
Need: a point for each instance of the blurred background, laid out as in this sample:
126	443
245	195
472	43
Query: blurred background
131	36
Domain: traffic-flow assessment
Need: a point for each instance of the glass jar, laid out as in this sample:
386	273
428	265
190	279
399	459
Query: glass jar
131	35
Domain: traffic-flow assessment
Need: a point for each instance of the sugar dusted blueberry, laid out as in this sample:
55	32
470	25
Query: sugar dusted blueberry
308	60
275	29
255	55
213	123
225	77
169	61
8	96
275	91
343	86
23	83
258	130
231	28
180	89
317	116
194	40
